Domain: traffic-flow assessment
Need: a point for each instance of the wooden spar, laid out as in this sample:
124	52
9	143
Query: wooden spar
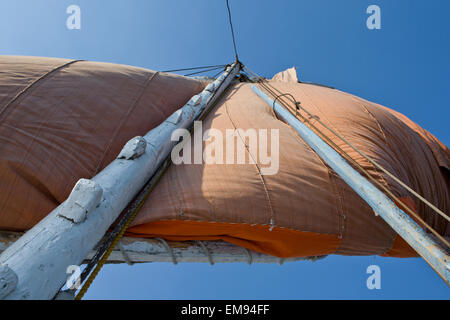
141	250
424	245
136	250
64	238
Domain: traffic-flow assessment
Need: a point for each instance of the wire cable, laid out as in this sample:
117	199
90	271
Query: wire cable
217	74
195	68
232	31
203	71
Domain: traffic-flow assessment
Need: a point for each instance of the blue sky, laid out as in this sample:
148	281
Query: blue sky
405	66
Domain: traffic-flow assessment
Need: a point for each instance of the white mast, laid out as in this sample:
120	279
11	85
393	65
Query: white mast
34	267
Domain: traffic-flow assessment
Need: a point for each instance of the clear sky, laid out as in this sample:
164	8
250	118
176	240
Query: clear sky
405	65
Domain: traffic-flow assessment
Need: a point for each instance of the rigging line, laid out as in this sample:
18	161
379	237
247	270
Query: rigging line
196	68
351	160
215	76
373	162
232	30
120	229
212	69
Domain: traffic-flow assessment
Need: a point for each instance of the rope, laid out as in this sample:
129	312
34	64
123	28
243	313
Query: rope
195	68
206	251
249	256
212	69
122	227
217	74
232	31
266	85
168	249
124	254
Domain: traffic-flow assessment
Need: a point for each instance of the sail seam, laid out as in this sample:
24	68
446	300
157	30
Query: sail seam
251	224
258	169
124	119
333	181
32	84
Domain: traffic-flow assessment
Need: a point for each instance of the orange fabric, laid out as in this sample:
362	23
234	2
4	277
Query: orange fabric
440	151
280	242
400	249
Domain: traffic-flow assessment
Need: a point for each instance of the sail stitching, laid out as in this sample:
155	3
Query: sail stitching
32	84
258	169
124	119
331	175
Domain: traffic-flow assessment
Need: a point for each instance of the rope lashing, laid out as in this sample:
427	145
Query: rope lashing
119	230
124	254
249	255
297	104
168	249
206	251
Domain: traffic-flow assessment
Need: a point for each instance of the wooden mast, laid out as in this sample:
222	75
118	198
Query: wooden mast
35	265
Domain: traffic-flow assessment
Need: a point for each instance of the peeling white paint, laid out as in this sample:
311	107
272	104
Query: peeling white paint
133	149
8	281
84	198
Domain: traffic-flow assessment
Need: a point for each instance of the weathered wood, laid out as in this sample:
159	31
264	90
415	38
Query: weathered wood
7	238
8	281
